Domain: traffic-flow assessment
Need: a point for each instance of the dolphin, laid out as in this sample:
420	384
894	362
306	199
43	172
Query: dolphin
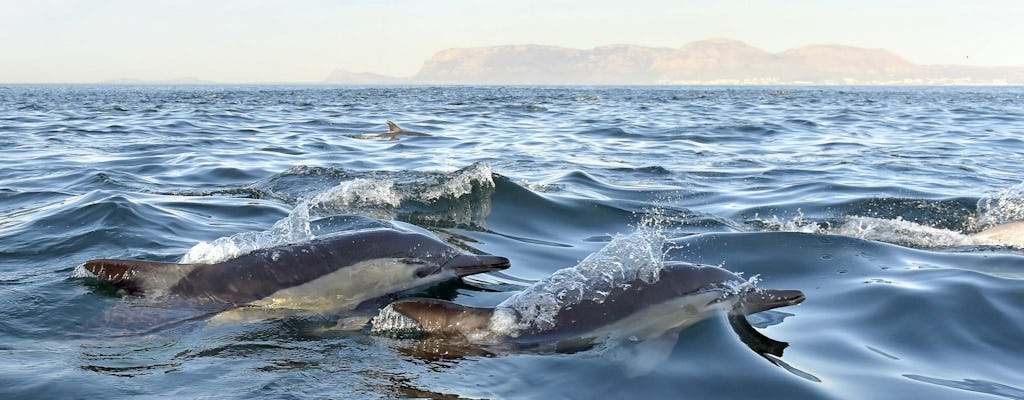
638	310
394	131
1008	234
326	275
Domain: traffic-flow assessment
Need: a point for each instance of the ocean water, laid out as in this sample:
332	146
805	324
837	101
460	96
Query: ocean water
865	199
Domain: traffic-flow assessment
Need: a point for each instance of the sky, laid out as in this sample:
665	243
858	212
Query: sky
298	41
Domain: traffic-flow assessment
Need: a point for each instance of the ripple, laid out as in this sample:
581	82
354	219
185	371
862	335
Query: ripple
877	184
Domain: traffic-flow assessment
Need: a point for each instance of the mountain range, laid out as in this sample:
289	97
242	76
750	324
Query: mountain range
712	61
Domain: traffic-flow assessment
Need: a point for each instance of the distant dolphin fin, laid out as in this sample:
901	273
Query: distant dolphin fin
754	339
131	274
443	317
393	127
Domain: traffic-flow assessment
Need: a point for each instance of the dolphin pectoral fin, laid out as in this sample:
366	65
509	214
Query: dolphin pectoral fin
130	274
393	127
761	344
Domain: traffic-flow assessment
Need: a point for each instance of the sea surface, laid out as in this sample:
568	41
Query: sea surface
866	199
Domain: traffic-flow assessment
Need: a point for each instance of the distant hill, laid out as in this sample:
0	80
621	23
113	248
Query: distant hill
361	78
713	61
187	80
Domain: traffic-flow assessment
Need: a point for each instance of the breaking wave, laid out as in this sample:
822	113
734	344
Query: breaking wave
1004	207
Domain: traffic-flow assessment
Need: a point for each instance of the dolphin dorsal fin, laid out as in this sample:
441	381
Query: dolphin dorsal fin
393	127
131	274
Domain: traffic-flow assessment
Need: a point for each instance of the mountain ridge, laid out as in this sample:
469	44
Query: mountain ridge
710	61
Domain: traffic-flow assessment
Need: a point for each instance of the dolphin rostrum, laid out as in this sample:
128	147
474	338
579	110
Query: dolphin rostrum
638	310
394	131
327	275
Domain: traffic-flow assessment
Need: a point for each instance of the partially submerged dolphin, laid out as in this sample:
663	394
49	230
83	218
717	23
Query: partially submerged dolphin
394	131
327	275
638	310
1008	234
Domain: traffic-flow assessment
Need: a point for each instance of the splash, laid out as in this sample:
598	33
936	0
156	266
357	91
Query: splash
799	223
292	229
896	231
901	232
1004	207
626	258
359	192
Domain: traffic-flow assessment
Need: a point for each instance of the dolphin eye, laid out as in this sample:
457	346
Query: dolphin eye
427	270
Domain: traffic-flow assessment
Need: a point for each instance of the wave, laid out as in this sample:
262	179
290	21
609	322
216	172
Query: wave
88	220
455	199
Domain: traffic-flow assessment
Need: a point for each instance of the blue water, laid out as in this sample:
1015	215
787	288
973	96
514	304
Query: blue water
865	199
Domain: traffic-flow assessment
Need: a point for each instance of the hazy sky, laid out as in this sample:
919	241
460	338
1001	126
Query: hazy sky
304	40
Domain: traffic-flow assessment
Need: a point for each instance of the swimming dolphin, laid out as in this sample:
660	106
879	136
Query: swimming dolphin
326	275
638	310
394	131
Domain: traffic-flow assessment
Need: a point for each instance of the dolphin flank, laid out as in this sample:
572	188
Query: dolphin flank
330	274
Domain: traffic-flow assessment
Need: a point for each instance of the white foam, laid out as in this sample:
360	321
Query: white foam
459	183
626	258
899	231
359	192
895	231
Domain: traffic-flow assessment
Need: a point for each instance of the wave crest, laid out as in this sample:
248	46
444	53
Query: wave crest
373	196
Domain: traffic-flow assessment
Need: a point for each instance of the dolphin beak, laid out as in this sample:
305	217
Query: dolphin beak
468	264
759	300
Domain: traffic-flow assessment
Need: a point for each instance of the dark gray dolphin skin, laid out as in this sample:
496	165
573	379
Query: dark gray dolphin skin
327	274
394	131
683	295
